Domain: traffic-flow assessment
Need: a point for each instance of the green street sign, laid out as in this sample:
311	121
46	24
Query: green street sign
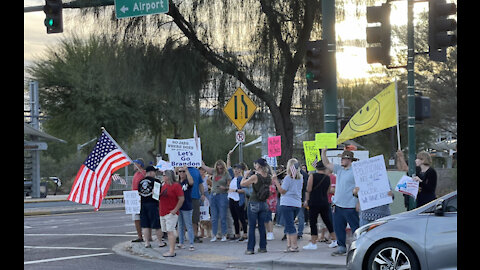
136	8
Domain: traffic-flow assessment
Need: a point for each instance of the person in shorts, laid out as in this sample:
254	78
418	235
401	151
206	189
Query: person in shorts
138	167
149	216
171	199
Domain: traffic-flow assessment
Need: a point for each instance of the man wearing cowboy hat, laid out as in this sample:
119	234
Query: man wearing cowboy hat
344	202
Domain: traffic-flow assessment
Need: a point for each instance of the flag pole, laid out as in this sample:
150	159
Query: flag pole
116	144
398	122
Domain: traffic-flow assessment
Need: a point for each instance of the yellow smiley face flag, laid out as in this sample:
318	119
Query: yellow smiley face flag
377	114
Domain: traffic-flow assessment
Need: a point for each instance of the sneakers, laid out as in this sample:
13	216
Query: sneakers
339	253
213	239
333	244
224	238
270	236
310	246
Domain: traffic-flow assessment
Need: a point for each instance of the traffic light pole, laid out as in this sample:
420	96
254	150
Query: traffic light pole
330	92
411	97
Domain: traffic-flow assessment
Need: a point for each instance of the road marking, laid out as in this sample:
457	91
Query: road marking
73	234
83	248
66	258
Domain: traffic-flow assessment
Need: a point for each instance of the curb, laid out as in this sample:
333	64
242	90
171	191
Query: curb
155	255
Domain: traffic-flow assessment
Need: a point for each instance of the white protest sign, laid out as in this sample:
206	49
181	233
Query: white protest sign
163	165
156	190
184	152
371	178
132	202
407	185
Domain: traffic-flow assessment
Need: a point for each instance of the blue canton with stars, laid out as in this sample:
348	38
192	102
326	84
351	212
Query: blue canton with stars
102	148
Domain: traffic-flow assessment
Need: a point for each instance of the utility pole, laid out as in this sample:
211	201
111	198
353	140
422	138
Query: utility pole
330	92
411	97
35	113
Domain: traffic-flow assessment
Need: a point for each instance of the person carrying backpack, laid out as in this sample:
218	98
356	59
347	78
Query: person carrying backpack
257	206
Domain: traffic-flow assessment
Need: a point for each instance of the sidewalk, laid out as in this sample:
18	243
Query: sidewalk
231	254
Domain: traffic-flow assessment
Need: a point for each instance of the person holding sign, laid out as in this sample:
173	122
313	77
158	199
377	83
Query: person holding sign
149	216
186	211
344	203
424	174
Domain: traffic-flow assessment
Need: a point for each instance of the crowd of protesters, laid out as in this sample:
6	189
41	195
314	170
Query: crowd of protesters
229	203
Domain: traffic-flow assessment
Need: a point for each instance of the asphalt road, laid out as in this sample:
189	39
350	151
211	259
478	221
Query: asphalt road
81	241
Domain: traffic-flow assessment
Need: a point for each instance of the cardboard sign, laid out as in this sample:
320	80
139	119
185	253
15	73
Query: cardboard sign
274	146
328	140
311	152
184	152
372	180
132	202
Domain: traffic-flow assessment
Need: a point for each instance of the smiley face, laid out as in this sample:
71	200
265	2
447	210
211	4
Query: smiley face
367	117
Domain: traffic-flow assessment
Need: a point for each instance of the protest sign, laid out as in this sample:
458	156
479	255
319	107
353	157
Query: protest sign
371	178
184	152
132	202
272	161
163	165
407	185
274	146
328	140
156	190
311	152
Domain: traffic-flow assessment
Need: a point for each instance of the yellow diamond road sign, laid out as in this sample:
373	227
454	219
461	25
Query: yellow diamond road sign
239	108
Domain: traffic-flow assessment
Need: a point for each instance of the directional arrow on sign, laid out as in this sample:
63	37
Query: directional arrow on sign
124	9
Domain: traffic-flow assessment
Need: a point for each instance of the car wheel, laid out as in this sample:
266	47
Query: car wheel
392	255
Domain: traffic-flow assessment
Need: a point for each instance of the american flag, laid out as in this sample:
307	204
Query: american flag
93	178
293	169
117	178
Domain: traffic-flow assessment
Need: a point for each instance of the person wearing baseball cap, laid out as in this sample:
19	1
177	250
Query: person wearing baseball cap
344	202
140	173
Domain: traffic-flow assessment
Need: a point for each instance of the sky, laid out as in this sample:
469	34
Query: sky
351	61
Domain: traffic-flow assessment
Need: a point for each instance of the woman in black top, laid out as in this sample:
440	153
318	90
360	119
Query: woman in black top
427	177
425	174
317	200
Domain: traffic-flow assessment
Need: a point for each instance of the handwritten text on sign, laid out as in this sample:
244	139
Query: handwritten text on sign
132	202
372	180
274	146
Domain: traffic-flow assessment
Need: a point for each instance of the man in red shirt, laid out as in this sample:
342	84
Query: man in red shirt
171	199
140	173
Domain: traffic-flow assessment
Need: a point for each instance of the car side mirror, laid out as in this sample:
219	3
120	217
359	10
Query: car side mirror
439	208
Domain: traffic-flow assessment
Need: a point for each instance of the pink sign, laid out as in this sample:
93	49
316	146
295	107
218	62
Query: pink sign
274	146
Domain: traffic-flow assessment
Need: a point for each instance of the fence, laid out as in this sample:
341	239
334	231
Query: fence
117	188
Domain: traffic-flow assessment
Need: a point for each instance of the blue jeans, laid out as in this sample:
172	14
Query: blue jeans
257	212
185	220
218	209
301	221
289	213
340	217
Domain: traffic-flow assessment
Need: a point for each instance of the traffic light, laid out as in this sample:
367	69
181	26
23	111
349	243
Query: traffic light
54	19
438	27
317	59
378	37
422	107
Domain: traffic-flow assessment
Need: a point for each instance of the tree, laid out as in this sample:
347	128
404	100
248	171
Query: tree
288	24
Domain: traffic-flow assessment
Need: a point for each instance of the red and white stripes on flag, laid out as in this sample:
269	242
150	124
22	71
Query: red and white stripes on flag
93	178
117	178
